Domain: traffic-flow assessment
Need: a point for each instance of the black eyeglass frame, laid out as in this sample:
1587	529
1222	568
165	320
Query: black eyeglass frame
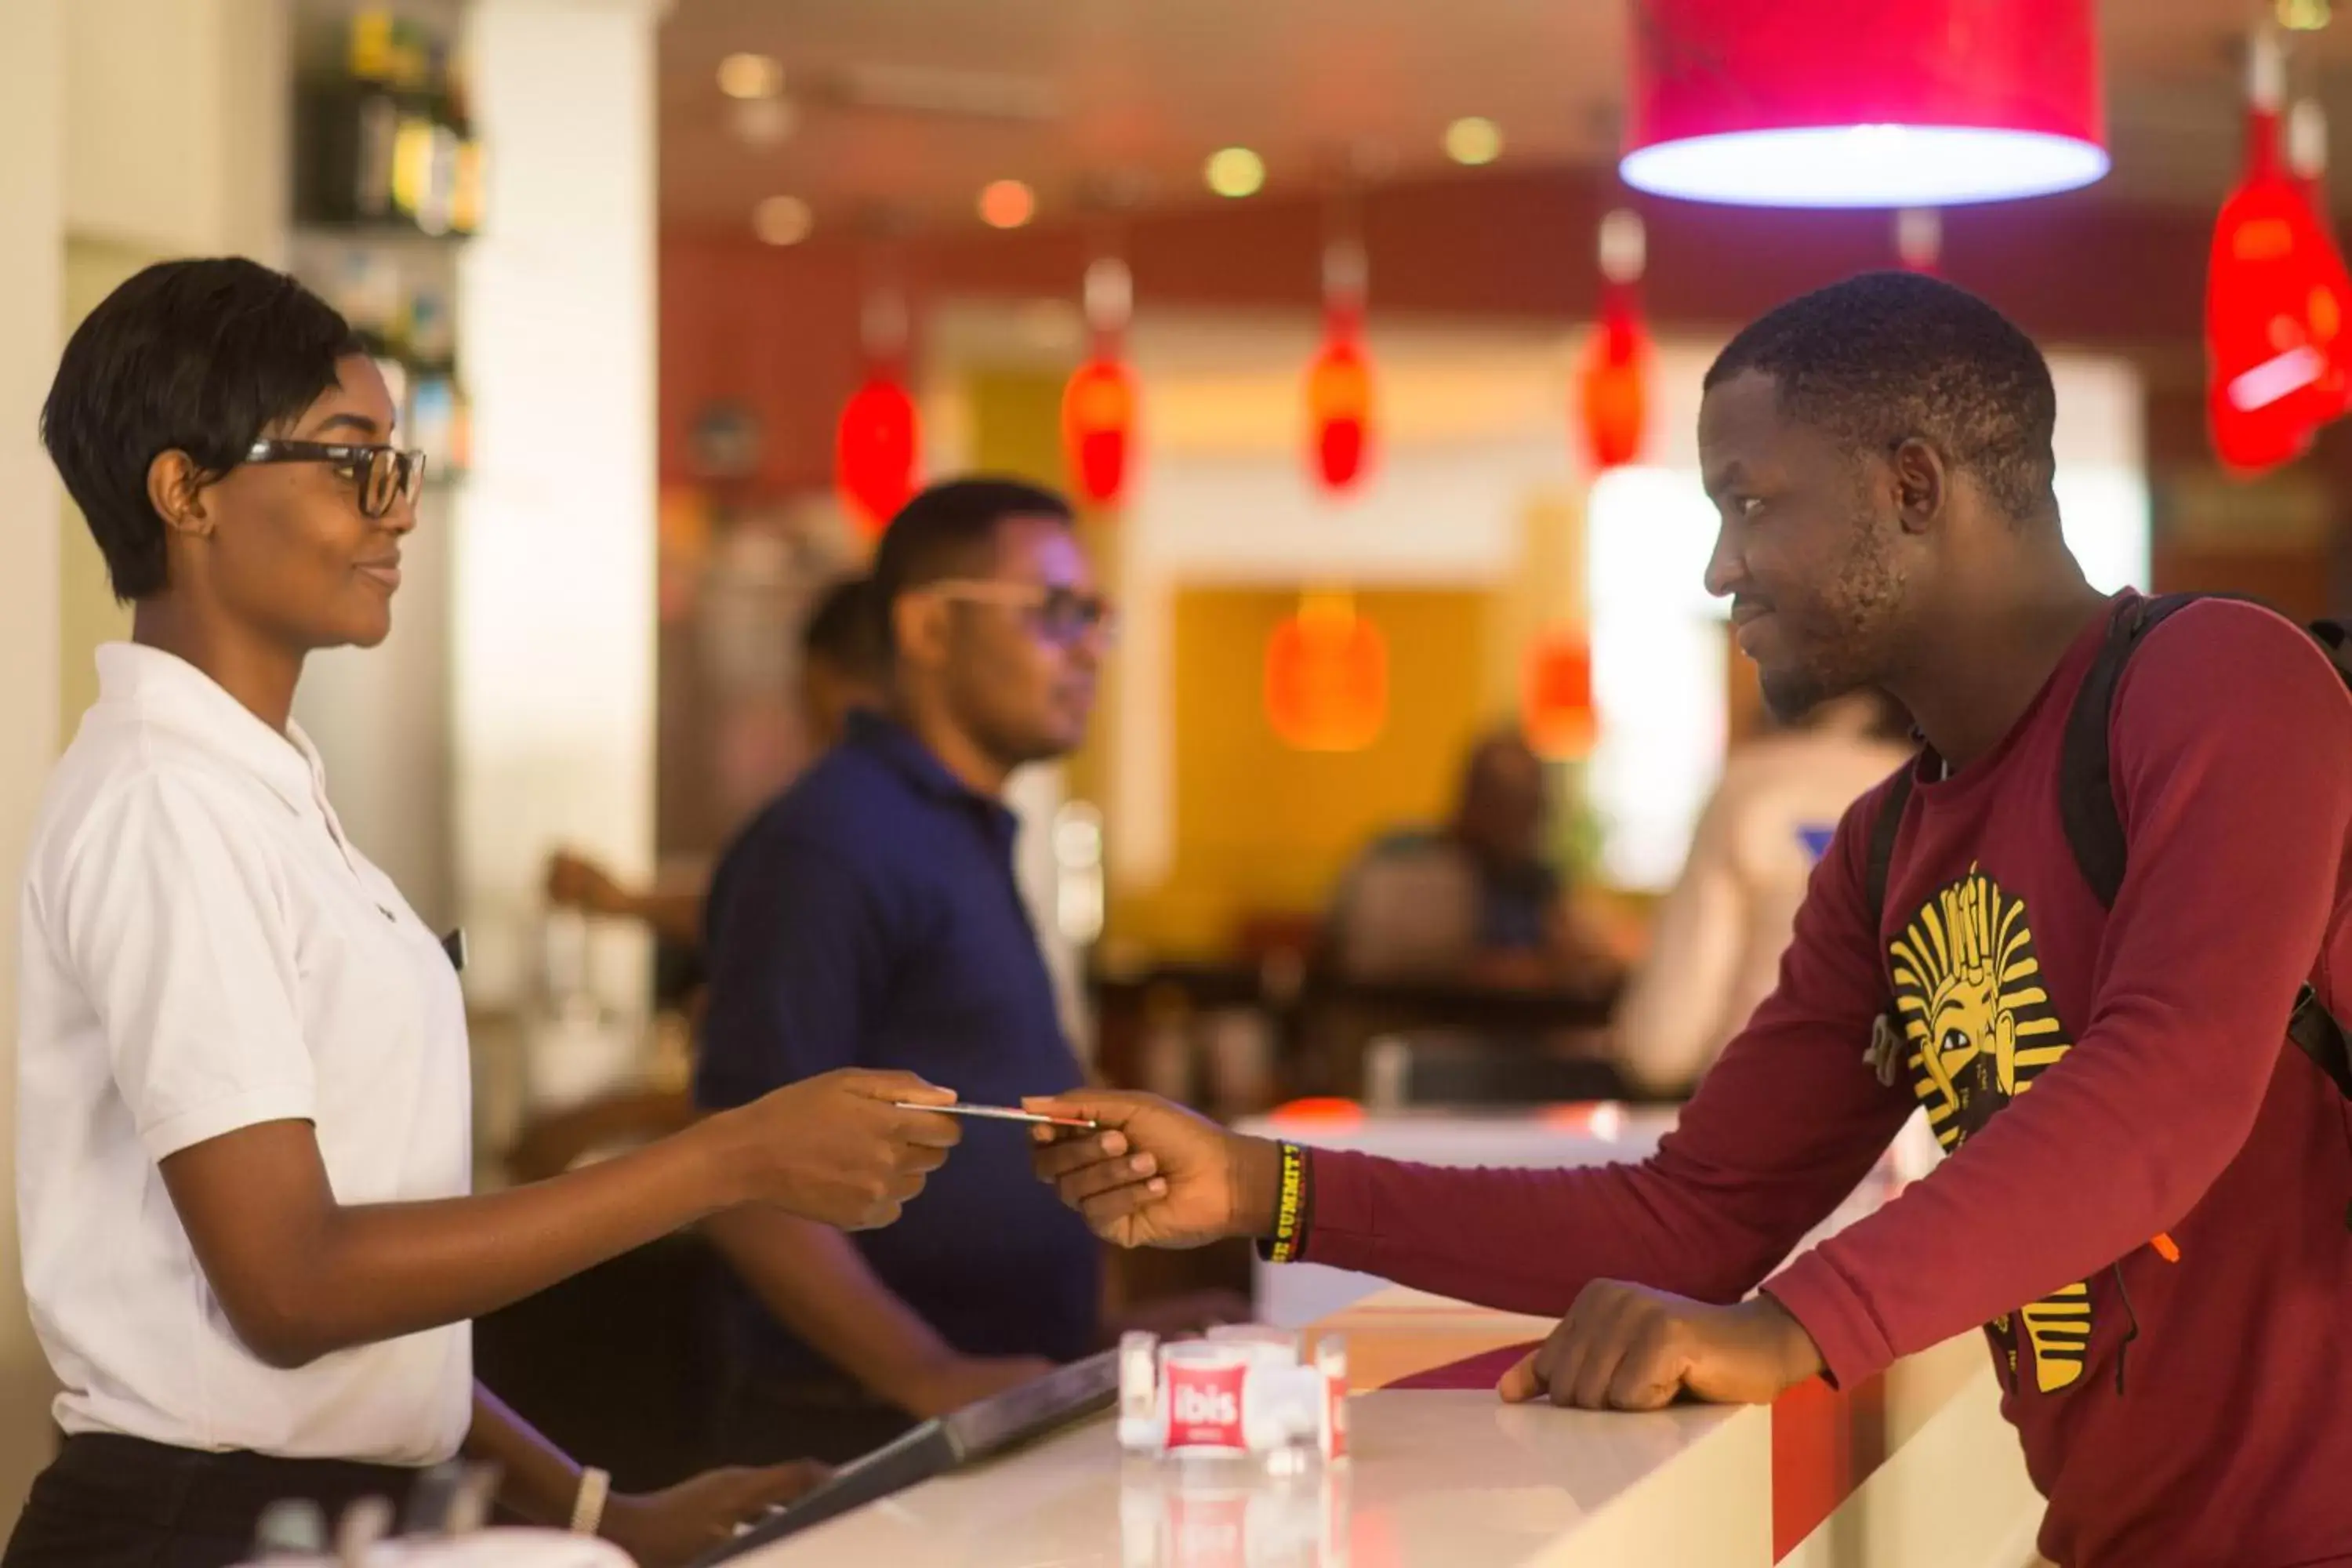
383	474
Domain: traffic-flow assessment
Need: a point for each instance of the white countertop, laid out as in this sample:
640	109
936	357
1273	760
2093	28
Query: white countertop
1436	1477
1458	1479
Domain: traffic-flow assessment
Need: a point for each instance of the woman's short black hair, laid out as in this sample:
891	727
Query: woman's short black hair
198	356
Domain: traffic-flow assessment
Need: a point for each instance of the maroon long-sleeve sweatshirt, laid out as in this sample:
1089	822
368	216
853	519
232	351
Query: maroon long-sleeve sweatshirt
2196	1412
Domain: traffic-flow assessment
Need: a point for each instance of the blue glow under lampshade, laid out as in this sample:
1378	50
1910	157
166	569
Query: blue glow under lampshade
1864	166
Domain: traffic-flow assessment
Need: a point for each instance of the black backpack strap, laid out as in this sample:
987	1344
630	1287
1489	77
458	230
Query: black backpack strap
1884	1053
2319	1036
2094	829
2335	642
1888	823
2086	784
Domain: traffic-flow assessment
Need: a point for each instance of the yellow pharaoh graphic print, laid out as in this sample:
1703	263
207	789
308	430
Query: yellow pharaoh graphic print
1979	1029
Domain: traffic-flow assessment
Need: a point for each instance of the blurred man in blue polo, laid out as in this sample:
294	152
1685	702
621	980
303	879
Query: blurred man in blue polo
870	915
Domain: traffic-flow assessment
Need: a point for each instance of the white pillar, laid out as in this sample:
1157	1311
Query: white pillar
177	138
553	611
32	250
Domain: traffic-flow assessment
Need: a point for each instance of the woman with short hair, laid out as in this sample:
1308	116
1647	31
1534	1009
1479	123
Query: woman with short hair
244	1139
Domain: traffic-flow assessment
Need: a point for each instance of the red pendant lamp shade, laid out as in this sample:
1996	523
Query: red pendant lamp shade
1612	381
875	450
1887	103
1097	414
1339	404
879	443
1616	401
1327	677
1340	381
1099	402
1556	700
2276	299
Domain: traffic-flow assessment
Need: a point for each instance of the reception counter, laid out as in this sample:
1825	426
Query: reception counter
1914	1470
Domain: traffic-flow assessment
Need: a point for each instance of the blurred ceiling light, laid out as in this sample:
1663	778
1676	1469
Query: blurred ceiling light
2303	16
764	122
750	76
1237	171
1473	140
1007	204
783	220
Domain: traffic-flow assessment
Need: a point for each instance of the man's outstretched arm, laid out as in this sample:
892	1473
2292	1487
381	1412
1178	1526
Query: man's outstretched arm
1788	1122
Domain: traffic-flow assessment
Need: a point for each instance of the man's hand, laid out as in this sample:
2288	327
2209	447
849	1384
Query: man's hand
834	1148
1155	1174
1626	1347
966	1379
665	1529
574	882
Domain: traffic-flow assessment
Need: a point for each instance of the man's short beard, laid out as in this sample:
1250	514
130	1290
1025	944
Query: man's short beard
1793	696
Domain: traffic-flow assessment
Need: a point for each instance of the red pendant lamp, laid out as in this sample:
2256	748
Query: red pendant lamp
1099	402
879	443
1555	696
1340	381
2276	297
1327	677
1881	103
1612	382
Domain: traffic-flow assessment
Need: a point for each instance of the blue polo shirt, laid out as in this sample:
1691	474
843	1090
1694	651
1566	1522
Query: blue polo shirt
870	918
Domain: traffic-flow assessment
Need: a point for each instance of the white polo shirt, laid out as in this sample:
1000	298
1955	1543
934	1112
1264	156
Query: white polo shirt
203	950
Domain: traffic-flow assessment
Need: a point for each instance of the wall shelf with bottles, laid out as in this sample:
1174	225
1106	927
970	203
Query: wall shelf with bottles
388	184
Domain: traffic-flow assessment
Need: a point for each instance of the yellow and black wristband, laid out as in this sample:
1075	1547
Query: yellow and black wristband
1293	1209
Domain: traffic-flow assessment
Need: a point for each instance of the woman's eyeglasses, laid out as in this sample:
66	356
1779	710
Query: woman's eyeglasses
384	474
1059	615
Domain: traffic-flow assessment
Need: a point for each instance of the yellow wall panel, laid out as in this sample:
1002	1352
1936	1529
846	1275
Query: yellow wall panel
1263	829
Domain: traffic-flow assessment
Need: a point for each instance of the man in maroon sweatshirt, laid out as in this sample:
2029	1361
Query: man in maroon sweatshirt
2175	1186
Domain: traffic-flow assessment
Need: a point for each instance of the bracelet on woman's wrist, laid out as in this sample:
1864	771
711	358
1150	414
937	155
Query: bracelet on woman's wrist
588	1503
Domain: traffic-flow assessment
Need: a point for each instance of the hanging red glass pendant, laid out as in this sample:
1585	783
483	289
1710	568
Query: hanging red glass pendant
1097	410
2276	297
1098	405
1555	696
1327	677
1340	382
877	446
874	451
1339	406
879	443
1612	381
